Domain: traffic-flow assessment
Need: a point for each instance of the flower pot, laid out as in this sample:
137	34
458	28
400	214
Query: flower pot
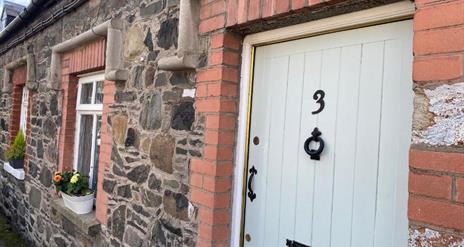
78	204
17	164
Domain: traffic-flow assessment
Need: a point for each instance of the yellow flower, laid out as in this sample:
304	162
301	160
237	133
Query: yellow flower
74	178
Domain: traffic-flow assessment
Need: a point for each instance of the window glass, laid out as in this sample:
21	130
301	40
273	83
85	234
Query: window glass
86	93
24	110
85	144
88	133
96	144
99	92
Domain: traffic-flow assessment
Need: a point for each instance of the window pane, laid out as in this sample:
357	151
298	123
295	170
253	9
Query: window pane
24	108
86	93
85	144
99	92
97	142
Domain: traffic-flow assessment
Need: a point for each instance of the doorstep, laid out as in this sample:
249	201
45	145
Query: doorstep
87	223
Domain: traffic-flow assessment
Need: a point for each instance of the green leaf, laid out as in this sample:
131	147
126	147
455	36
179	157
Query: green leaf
17	149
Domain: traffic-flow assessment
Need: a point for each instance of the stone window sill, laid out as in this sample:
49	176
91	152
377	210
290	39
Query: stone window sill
87	223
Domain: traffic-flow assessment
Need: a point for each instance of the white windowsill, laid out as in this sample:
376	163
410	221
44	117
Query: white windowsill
17	173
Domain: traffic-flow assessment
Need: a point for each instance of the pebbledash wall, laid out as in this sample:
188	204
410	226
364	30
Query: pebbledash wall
168	160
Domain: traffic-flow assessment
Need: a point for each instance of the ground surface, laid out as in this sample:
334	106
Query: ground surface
8	237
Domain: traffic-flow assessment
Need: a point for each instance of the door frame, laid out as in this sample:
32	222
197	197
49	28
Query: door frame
380	15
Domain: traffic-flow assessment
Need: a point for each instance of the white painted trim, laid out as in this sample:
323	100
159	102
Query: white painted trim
367	17
383	14
100	74
91	78
17	173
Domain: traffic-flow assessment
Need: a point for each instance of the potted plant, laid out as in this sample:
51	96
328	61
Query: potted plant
15	154
75	191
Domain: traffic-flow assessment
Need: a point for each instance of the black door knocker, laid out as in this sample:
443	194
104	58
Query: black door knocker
316	137
251	193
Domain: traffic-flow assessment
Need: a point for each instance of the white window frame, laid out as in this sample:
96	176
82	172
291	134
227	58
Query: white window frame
24	110
87	109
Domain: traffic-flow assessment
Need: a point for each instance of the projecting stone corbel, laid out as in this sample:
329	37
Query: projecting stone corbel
114	66
31	80
29	62
187	54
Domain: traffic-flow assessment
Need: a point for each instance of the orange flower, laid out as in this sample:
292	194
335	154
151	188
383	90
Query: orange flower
57	178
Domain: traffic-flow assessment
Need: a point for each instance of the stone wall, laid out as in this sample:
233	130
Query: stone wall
155	133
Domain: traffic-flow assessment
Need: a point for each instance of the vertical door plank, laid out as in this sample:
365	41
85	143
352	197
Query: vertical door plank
345	148
389	149
259	126
365	182
322	209
279	71
305	175
291	149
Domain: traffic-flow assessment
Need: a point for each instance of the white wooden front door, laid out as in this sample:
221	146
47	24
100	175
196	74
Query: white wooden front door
356	194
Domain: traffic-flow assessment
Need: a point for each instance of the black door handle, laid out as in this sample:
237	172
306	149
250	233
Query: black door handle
251	193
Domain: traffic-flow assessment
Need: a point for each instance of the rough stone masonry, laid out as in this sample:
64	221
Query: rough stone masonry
155	134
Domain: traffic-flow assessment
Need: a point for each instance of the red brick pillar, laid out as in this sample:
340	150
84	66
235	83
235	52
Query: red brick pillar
436	181
68	124
104	158
217	100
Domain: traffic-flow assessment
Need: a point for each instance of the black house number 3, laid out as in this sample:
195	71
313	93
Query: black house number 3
319	98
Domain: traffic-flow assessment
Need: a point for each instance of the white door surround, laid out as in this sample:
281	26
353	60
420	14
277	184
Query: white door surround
388	13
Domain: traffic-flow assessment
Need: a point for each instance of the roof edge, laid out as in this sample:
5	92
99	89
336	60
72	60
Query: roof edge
26	14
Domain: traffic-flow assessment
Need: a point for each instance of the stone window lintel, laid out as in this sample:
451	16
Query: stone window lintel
29	61
114	66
